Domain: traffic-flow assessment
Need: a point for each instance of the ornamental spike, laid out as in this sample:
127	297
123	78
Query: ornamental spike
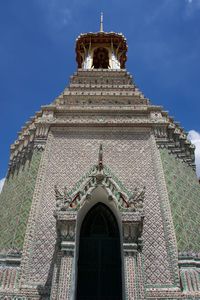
101	23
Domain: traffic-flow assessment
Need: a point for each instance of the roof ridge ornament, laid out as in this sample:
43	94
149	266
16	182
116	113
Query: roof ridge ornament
101	23
100	162
100	175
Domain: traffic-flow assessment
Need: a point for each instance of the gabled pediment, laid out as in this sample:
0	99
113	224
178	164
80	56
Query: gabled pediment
100	180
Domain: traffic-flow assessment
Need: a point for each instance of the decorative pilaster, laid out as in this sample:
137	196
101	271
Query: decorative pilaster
66	223
132	245
130	277
65	279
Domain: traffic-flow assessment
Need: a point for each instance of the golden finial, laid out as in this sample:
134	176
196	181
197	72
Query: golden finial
101	23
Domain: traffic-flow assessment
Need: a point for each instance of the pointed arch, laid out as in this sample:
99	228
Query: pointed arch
99	260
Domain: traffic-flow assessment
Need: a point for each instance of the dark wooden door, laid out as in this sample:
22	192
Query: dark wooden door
99	263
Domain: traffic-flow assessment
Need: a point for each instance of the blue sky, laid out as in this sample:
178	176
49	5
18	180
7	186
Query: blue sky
37	55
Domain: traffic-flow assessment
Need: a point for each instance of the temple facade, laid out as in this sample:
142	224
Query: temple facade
101	199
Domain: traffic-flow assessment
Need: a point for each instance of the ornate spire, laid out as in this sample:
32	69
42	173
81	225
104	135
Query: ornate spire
101	50
101	23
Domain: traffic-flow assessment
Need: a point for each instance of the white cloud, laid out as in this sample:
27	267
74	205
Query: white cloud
196	3
57	13
194	137
1	183
192	6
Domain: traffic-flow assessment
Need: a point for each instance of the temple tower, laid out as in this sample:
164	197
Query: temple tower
101	199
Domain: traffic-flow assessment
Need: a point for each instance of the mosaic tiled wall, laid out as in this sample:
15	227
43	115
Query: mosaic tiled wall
15	202
184	194
68	156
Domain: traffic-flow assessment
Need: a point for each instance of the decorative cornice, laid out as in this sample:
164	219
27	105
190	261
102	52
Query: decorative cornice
11	257
33	136
174	138
99	98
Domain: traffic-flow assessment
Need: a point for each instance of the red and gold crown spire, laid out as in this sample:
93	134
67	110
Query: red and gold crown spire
101	50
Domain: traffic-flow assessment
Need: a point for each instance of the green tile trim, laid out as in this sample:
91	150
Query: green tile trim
15	203
184	196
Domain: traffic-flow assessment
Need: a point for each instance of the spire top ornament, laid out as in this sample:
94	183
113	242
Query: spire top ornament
101	23
101	50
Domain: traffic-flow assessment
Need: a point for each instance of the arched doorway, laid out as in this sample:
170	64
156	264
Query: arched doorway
101	58
99	262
